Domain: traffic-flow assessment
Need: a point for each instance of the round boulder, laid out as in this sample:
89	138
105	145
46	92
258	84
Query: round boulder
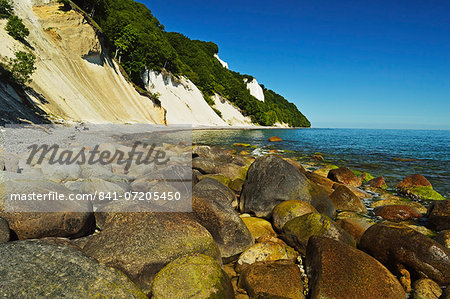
297	231
193	276
141	244
345	176
271	180
344	199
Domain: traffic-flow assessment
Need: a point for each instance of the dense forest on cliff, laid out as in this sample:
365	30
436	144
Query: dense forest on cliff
139	41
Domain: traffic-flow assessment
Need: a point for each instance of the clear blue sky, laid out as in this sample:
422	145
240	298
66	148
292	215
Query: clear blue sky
382	64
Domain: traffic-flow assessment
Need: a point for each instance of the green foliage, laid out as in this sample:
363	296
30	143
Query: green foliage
142	43
6	9
22	67
16	28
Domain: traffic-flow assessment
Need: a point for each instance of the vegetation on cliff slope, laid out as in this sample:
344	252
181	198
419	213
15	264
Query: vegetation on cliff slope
140	42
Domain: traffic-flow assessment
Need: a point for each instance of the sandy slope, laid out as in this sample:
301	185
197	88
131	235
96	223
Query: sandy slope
77	81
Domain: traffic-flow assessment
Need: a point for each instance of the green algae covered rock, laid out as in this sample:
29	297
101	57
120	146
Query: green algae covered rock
195	276
288	210
297	231
424	192
36	269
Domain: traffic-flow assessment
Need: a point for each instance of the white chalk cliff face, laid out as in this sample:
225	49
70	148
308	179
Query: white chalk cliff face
74	80
182	100
255	89
185	103
223	63
230	113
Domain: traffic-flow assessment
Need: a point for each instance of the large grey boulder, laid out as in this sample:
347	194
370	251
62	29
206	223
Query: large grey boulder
141	244
214	211
271	180
36	269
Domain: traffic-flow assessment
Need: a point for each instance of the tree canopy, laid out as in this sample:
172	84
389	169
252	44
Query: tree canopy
141	43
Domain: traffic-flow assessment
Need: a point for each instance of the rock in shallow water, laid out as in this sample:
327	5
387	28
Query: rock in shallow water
345	176
195	276
439	215
141	244
35	269
420	255
337	270
271	180
344	199
397	212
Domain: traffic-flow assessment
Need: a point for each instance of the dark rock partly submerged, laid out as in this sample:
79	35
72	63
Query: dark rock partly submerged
271	180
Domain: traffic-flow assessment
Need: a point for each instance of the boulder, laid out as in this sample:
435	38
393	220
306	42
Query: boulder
32	225
213	153
278	279
297	231
415	180
395	200
61	173
344	199
141	244
193	276
355	226
425	288
218	177
288	210
337	270
275	139
271	180
377	182
320	180
345	176
417	186
439	215
223	222
204	165
231	171
265	252
296	164
259	227
4	231
443	237
236	185
421	256
213	188
397	212
36	269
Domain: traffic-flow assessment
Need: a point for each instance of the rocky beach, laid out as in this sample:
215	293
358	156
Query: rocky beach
263	226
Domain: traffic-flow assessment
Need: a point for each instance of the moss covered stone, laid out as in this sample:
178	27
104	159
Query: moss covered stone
424	192
298	231
195	276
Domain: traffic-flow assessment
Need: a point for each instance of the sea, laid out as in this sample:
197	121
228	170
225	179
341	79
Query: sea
392	153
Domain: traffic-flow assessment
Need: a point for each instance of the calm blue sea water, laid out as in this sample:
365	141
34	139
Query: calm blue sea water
372	150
